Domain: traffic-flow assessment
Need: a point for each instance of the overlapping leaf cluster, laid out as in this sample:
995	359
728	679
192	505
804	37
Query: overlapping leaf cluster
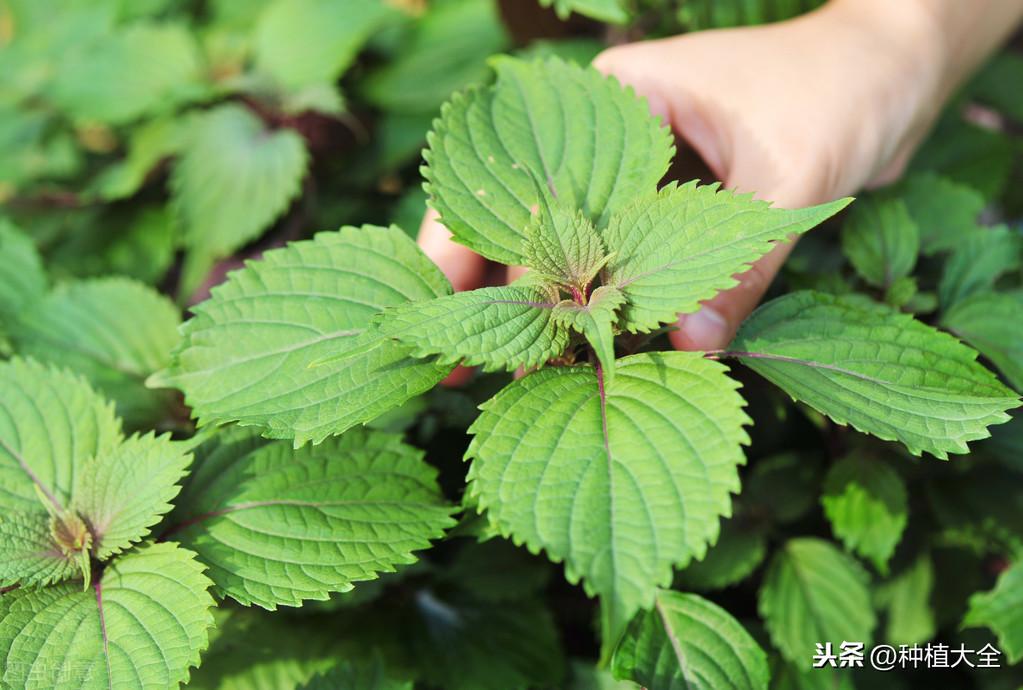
619	466
98	595
618	462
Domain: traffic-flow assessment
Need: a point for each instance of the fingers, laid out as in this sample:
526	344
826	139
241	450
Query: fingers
715	324
627	65
463	267
670	95
513	273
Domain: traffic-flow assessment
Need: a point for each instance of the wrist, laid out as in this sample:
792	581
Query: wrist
904	39
897	58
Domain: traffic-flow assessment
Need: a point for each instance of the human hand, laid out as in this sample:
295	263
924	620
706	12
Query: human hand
800	112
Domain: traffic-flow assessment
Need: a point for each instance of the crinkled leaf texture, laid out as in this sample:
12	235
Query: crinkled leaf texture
51	424
596	321
881	371
250	353
496	327
812	593
120	495
1001	609
278	525
684	246
866	503
562	244
28	554
622	479
70	481
141	626
233	179
115	331
689	643
490	142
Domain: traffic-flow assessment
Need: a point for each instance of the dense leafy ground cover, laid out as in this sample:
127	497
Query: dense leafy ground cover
224	458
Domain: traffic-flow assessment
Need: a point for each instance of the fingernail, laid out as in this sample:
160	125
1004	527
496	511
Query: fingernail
706	329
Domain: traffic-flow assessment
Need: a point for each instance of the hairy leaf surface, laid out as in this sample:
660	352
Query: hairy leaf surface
686	643
279	526
121	494
865	500
51	423
883	372
595	320
815	593
687	244
562	244
489	142
72	485
141	626
496	327
248	352
620	479
28	554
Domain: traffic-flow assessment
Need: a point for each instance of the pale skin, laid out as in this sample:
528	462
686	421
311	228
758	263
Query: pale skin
799	112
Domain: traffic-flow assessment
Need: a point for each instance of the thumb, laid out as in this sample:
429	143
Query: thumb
715	324
627	64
